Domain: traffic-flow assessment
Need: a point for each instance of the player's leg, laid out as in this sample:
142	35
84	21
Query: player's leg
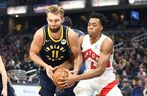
11	91
113	91
84	88
46	91
66	92
46	84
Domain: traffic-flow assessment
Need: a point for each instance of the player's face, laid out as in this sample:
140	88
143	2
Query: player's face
94	27
54	21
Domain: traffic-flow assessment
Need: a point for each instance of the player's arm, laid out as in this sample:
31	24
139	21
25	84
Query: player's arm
4	77
80	40
76	50
106	51
35	48
67	64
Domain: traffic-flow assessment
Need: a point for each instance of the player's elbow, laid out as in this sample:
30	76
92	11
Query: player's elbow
80	58
31	54
4	74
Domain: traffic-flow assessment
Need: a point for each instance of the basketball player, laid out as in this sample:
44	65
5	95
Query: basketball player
52	46
5	88
98	55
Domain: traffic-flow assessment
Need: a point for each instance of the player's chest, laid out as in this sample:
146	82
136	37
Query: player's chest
55	49
91	51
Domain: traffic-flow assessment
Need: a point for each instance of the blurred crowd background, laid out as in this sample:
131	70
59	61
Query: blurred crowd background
127	26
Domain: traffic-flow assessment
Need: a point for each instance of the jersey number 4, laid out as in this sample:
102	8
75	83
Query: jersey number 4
94	67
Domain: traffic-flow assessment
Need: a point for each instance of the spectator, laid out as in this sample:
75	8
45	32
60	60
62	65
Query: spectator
141	74
126	88
138	89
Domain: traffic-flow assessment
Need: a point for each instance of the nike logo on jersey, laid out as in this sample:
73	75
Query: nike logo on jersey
95	47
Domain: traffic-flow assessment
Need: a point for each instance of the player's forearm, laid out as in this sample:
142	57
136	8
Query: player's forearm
90	74
37	60
78	63
67	64
4	79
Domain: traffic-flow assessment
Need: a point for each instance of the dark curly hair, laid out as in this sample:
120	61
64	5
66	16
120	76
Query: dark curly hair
67	21
100	16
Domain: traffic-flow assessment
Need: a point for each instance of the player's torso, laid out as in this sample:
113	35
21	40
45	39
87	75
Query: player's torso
55	52
92	52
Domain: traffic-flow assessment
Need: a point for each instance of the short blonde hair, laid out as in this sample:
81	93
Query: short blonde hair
55	9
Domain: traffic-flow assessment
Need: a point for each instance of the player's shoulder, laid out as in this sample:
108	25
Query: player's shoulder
107	41
72	37
40	30
71	32
78	31
39	33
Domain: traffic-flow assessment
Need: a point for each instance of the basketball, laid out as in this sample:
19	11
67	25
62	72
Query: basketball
60	73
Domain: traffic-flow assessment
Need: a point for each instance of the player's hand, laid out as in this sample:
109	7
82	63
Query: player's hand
49	71
69	81
4	92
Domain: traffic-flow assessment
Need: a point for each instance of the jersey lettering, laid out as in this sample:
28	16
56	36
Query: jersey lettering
90	54
55	52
